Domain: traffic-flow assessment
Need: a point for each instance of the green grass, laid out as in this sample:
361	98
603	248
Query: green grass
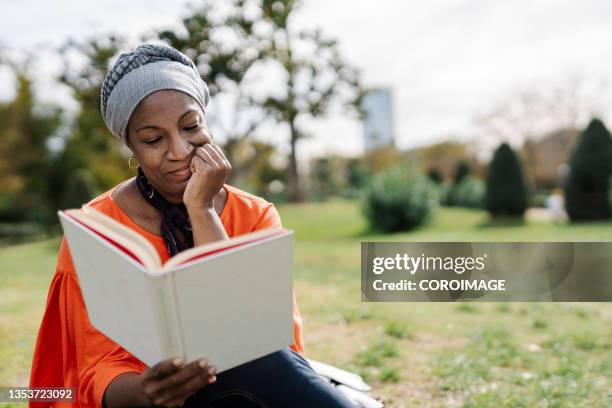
495	369
413	354
470	354
25	274
399	330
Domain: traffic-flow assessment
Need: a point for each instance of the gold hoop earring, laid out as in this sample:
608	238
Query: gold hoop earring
133	167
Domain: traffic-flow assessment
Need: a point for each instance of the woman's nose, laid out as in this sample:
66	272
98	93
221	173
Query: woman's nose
179	149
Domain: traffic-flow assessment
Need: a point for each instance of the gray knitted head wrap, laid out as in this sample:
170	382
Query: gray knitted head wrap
136	74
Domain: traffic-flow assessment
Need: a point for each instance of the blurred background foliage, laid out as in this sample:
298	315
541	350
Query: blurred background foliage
52	159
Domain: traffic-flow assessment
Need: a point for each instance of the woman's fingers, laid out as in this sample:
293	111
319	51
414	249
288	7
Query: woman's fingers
211	169
208	154
185	390
176	388
214	157
225	164
214	152
205	154
197	163
194	369
222	164
191	388
218	149
163	368
153	375
202	154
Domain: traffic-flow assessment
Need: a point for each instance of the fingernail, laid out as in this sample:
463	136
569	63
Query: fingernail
211	370
203	363
177	362
212	379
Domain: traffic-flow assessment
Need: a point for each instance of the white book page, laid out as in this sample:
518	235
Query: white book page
237	305
116	292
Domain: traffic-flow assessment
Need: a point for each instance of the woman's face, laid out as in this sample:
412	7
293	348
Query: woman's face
162	133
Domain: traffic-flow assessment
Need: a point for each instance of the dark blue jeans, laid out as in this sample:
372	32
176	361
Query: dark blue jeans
278	380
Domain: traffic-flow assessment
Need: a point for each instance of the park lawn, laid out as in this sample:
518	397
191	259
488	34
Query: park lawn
469	354
413	354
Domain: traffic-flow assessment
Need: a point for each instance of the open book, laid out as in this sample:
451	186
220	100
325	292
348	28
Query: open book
229	301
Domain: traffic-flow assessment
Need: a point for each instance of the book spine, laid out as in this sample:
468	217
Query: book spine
167	316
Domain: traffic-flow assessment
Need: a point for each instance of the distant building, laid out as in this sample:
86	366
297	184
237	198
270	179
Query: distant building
378	120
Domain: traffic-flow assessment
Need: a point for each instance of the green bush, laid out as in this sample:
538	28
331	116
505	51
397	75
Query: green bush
358	174
587	188
440	192
506	191
469	193
465	190
357	178
10	209
399	199
445	194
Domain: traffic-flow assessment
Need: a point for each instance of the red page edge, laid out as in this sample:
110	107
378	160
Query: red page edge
108	239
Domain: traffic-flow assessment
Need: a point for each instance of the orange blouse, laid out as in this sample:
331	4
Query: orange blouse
70	352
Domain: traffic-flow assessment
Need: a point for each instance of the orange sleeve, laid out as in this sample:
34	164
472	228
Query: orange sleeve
69	349
268	219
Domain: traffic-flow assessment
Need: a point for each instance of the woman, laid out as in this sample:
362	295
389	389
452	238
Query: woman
155	102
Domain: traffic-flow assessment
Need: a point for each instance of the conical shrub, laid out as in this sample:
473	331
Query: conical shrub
587	184
506	191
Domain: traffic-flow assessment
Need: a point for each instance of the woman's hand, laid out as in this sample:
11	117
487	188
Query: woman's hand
209	170
170	382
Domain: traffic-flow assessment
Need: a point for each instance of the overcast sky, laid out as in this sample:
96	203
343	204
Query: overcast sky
446	61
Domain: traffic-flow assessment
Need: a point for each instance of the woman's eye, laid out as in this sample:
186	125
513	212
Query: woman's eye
193	127
153	141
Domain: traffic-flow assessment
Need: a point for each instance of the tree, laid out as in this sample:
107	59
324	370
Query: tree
539	108
260	169
328	176
224	47
89	144
462	170
26	127
506	191
588	180
357	177
381	158
311	83
442	156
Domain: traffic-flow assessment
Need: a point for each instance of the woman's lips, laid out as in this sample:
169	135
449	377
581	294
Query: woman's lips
180	174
